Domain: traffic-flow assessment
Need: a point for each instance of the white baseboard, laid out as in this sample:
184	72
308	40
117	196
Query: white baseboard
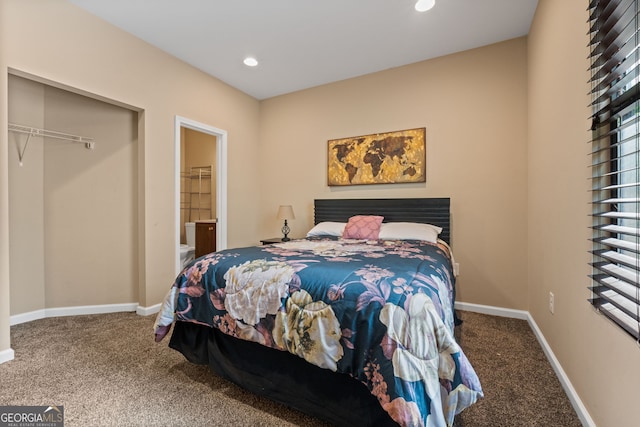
147	311
493	311
575	400
16	319
90	309
6	355
71	311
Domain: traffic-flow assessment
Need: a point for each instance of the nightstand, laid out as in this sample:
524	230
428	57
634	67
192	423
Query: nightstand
271	241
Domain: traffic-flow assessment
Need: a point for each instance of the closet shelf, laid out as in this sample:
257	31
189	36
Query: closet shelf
31	131
196	188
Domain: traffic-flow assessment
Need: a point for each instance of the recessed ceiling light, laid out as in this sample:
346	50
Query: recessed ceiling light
251	62
424	5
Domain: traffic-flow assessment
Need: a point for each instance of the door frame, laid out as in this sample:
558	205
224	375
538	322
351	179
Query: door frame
221	181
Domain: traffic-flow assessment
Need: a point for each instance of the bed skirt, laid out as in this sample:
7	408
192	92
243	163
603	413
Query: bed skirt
280	376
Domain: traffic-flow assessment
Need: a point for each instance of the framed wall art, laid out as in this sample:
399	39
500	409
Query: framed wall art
381	158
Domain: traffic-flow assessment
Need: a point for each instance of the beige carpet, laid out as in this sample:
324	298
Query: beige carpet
106	370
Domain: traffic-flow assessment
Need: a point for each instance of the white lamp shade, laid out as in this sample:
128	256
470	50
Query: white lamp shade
286	212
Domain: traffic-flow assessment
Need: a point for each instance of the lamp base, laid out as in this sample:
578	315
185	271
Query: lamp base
285	232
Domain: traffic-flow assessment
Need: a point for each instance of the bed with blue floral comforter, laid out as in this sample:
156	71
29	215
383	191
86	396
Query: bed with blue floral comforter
378	311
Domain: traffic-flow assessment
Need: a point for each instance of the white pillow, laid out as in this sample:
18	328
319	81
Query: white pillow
409	231
327	228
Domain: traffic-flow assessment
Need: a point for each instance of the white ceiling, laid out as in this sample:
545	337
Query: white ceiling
306	43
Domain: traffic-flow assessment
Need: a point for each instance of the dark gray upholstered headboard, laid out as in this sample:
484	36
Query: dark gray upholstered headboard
430	211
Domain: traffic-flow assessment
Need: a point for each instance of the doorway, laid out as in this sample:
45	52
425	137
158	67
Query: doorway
218	191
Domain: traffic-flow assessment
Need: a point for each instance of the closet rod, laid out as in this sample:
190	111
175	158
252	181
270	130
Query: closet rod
31	131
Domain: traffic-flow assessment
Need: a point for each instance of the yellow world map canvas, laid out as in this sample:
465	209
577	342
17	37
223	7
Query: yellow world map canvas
382	158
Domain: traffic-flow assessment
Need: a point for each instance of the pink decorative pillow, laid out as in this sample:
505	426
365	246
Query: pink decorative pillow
363	227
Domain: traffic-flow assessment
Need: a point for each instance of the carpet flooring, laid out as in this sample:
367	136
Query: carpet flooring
106	370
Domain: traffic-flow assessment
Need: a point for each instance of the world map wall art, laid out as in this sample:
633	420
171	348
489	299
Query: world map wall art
381	158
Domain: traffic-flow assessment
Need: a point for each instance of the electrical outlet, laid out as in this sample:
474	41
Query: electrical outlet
552	303
456	269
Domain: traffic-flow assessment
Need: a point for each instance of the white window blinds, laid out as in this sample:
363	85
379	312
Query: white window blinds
615	165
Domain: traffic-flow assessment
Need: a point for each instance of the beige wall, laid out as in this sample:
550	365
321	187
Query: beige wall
26	198
474	108
90	203
5	337
602	362
82	53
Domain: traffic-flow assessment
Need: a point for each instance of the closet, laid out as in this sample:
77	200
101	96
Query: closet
73	201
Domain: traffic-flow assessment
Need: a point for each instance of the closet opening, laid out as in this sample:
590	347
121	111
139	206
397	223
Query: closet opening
74	210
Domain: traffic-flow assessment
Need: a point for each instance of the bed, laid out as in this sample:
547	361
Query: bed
353	324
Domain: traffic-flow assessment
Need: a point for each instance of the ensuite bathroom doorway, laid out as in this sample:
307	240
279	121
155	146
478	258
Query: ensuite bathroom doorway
201	194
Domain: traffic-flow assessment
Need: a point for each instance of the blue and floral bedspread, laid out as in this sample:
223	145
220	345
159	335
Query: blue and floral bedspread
380	311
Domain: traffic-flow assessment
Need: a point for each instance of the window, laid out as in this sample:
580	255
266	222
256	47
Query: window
615	83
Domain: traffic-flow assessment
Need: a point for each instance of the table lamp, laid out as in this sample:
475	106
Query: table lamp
286	212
